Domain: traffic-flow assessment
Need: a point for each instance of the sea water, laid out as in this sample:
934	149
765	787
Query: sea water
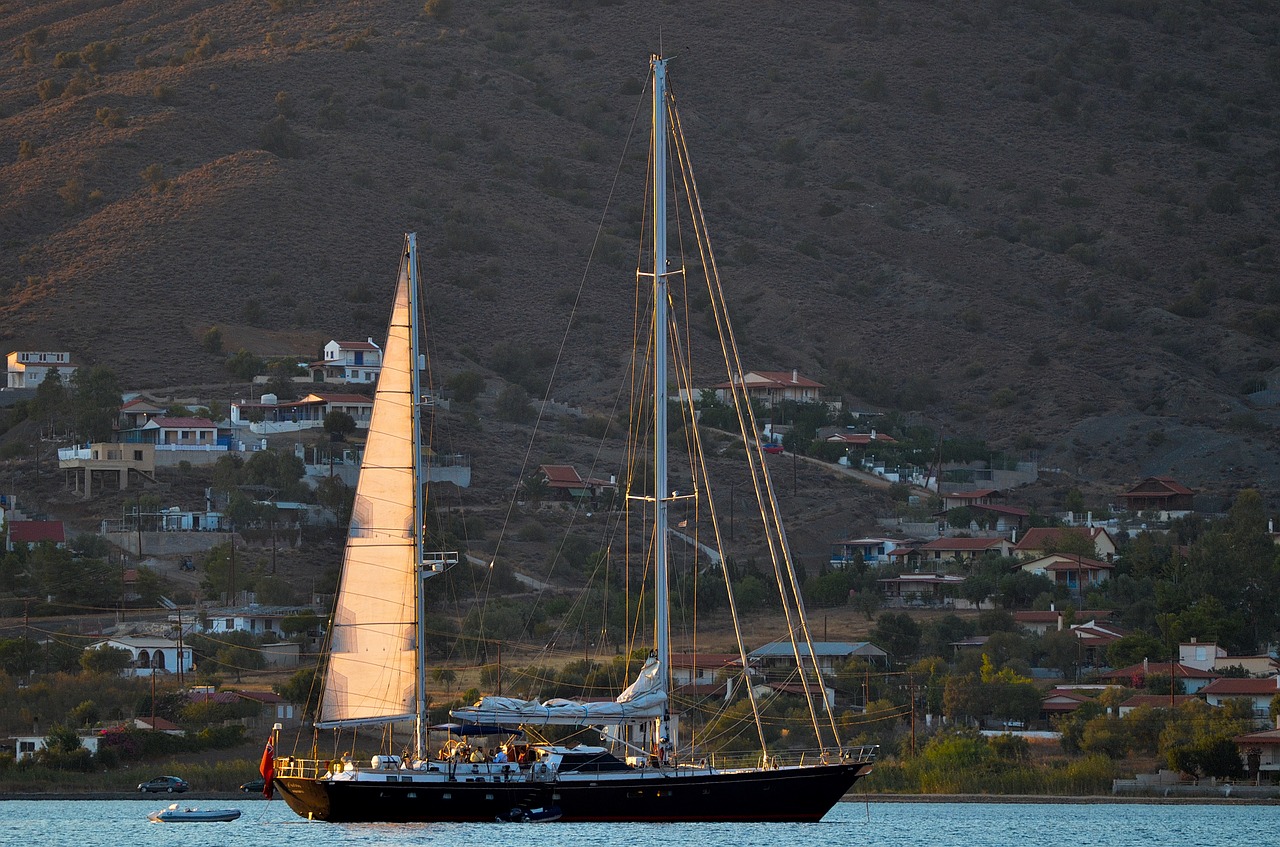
123	823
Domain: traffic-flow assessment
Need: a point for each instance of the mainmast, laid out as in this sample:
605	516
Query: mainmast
662	636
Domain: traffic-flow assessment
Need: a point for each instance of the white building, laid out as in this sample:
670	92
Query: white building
349	361
28	369
151	655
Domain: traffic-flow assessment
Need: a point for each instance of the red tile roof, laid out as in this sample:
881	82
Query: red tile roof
1078	563
779	379
963	544
1038	536
33	532
562	476
1166	482
1140	671
1230	686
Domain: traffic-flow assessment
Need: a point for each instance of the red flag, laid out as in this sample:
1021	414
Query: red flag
268	768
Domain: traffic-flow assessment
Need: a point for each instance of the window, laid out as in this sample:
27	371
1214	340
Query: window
137	455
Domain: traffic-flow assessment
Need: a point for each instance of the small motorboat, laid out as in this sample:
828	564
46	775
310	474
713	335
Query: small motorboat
522	814
176	814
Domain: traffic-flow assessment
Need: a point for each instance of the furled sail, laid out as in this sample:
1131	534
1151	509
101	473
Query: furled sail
371	673
642	700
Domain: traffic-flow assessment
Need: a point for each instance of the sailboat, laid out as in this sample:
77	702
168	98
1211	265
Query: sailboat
376	674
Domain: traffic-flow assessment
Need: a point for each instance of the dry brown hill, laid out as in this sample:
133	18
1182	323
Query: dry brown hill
1047	223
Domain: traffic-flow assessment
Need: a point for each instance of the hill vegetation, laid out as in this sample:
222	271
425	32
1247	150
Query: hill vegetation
1050	224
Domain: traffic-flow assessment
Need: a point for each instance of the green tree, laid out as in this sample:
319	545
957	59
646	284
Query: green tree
302	688
105	660
339	425
95	400
898	634
466	386
244	366
513	405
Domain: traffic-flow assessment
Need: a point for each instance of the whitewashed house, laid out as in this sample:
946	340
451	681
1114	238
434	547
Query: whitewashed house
151	654
27	369
348	361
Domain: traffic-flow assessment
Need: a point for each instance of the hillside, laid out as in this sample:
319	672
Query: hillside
1047	224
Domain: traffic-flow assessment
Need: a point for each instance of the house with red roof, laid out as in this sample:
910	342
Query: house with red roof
1061	701
1162	494
28	534
1259	693
567	484
1071	571
1260	752
921	589
1194	680
1054	620
772	387
976	497
348	361
964	549
1041	540
137	411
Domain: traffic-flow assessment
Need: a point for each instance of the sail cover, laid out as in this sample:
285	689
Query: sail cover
643	699
373	644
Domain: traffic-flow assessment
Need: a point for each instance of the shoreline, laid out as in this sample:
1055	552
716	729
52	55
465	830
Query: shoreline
852	797
1067	800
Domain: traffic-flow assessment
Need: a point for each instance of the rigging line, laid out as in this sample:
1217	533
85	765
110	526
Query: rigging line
595	245
775	535
775	525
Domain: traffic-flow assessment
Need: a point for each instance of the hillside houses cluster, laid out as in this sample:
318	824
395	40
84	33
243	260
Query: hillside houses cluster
929	568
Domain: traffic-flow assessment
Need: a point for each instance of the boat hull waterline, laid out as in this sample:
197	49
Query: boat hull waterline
784	794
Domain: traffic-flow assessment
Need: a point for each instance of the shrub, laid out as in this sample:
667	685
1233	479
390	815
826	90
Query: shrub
437	8
153	176
164	94
111	118
49	89
277	137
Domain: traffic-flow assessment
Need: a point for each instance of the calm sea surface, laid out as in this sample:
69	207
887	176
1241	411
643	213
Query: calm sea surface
123	823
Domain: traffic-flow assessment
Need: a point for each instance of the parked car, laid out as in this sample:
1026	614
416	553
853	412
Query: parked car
772	448
163	784
253	786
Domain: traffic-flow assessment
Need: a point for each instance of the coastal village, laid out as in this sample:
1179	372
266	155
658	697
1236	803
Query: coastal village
980	612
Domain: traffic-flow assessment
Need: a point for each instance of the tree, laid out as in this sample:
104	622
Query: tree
63	750
19	656
535	487
1133	648
105	660
513	405
95	401
52	402
244	366
302	688
212	340
446	677
898	634
339	425
466	386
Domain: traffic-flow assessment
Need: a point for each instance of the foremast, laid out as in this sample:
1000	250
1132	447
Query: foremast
419	507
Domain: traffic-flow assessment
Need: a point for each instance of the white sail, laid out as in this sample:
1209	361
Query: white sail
372	671
642	700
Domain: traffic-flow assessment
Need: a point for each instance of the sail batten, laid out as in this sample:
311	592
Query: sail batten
373	647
